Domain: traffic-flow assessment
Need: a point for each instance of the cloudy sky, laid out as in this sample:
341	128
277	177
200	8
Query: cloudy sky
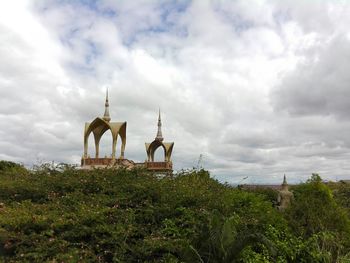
259	88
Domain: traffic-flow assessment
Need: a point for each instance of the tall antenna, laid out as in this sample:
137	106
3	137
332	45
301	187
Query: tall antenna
199	163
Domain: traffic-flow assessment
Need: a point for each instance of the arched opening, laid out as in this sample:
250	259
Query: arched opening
106	144
91	146
118	147
159	154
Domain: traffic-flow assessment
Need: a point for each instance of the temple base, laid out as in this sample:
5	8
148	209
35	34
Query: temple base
159	166
91	163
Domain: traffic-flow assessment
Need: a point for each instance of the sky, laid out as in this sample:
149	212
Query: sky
257	88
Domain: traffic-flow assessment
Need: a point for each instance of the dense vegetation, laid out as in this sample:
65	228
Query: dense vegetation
63	214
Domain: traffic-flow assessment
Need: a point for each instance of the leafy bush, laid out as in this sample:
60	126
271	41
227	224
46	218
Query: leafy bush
6	166
342	195
317	218
62	214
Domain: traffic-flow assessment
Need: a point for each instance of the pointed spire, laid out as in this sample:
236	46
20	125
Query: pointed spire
284	180
159	136
106	116
284	184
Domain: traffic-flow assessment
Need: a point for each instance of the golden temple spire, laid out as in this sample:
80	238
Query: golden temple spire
159	136
106	116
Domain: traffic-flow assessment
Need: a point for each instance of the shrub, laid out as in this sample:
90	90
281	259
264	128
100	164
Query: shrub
62	214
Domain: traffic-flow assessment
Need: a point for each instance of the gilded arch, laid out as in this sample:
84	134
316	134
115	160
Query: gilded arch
153	146
98	127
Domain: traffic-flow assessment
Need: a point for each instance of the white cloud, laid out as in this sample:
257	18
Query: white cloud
259	89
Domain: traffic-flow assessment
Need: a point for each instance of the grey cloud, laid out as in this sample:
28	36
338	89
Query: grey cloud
318	86
212	82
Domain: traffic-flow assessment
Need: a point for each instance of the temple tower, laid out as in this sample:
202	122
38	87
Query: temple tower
151	148
284	195
98	127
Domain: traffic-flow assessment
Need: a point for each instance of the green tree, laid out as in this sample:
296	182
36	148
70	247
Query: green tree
317	218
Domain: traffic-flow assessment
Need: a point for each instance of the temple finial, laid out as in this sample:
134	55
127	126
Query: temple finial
159	136
106	116
284	180
284	184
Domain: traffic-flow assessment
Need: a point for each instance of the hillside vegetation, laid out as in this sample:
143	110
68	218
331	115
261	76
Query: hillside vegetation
69	215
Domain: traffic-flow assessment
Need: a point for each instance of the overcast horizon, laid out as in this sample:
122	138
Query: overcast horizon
258	88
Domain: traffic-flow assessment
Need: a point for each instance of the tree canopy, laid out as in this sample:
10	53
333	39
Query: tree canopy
62	214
